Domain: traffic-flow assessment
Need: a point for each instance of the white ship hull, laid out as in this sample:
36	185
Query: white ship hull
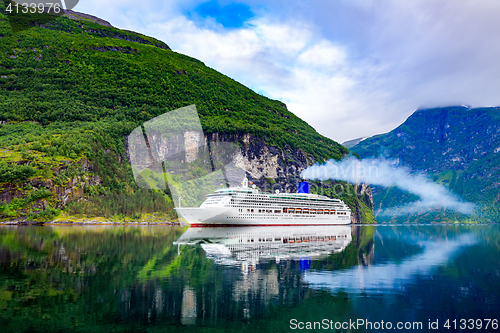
229	216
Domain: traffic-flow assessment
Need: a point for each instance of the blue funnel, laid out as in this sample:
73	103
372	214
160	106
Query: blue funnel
303	187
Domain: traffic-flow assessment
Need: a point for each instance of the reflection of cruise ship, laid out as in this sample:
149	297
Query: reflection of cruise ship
249	206
249	244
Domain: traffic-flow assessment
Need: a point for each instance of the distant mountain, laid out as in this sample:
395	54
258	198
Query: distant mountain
351	143
457	146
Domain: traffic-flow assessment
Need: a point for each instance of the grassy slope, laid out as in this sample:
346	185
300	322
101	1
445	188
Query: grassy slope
71	92
455	146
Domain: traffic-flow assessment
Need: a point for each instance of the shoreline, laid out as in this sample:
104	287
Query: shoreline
70	223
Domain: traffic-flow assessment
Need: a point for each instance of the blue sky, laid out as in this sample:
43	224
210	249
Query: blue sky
350	68
230	15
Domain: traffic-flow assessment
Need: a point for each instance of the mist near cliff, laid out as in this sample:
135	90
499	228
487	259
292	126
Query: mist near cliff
388	174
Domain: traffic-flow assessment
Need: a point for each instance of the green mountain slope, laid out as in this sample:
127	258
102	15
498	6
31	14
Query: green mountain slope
71	90
81	71
458	147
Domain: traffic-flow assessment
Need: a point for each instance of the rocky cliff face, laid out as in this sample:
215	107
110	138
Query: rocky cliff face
37	194
268	167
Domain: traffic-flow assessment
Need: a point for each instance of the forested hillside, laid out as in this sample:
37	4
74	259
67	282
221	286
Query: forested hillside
72	89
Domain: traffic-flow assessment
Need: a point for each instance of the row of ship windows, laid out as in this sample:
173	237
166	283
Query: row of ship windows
261	197
282	202
333	208
275	204
252	216
265	197
297	239
294	211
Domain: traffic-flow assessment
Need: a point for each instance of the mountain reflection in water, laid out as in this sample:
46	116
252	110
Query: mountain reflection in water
164	278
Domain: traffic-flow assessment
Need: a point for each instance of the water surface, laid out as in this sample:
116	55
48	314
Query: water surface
103	279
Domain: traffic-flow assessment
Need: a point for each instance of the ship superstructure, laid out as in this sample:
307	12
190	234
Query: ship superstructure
249	206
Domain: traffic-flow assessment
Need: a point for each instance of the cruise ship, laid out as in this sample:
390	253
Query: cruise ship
245	206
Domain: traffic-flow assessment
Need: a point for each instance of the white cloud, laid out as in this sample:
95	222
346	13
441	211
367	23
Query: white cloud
286	61
323	54
388	174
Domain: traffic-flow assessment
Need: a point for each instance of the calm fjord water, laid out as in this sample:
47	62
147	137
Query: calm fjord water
170	279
